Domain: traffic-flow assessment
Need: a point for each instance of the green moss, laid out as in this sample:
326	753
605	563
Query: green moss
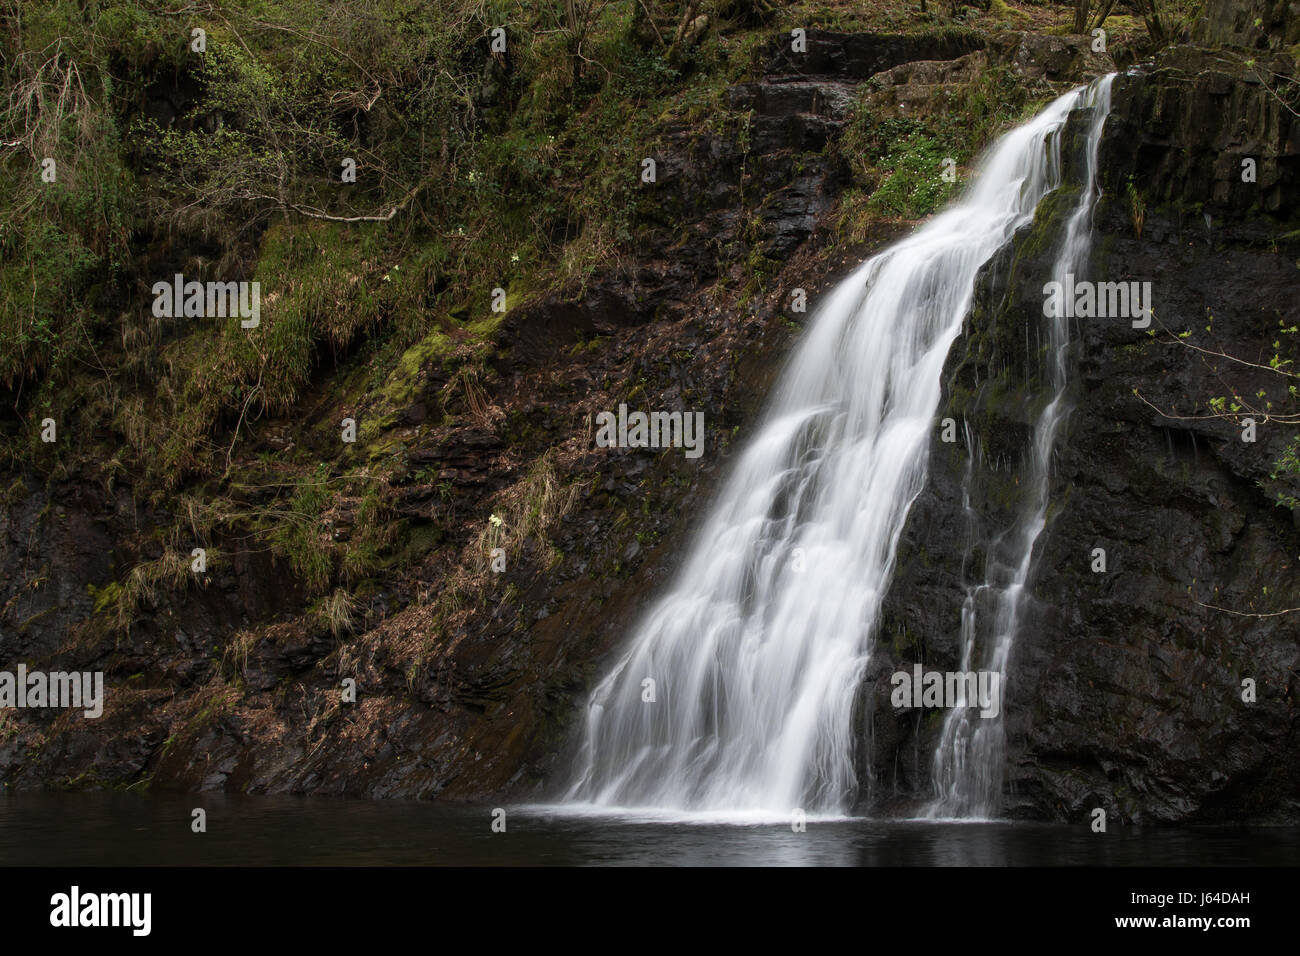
405	379
105	598
999	10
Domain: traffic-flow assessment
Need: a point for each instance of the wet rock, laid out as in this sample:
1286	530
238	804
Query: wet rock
1252	24
1124	690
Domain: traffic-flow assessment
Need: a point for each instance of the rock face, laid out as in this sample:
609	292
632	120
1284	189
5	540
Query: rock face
1125	689
856	57
1271	24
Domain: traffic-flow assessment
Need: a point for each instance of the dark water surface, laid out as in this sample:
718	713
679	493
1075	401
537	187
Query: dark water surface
89	829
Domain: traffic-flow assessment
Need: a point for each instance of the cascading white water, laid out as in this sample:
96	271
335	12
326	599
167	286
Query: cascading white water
969	757
757	650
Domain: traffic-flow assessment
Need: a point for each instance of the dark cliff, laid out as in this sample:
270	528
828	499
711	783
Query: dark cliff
1125	689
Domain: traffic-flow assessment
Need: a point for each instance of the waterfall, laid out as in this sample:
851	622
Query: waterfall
735	692
970	755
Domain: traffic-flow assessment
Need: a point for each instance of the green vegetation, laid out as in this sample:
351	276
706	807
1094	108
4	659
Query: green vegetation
528	510
913	186
66	208
474	170
909	166
221	157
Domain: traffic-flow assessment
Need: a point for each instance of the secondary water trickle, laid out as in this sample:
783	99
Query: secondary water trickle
757	650
970	756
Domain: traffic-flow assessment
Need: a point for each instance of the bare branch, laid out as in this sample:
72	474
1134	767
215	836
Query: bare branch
1228	610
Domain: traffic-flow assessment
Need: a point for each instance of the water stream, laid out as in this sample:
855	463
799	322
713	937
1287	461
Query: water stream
735	693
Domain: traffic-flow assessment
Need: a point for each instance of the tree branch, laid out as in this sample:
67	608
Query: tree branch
1228	610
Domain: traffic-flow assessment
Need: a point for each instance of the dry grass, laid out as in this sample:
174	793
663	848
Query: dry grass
236	653
478	410
337	612
528	509
48	96
170	572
